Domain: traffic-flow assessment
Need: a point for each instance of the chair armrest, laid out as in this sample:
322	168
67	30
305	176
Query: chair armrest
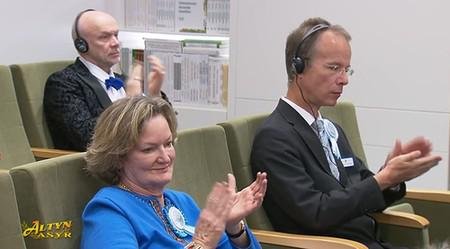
401	219
50	153
305	241
435	205
427	195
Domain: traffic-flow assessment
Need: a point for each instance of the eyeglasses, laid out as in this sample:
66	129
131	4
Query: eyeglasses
336	69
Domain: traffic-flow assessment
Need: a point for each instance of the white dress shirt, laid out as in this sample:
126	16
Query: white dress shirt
305	114
101	76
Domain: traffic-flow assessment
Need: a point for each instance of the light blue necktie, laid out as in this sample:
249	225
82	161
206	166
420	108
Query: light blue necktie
324	139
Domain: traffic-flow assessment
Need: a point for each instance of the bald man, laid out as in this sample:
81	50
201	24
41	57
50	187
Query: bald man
75	96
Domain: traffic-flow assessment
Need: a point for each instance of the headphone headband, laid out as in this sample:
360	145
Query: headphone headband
298	64
80	44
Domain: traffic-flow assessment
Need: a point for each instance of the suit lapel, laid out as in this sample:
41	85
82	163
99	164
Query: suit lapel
306	133
93	83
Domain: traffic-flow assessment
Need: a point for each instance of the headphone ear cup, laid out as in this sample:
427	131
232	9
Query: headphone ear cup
81	45
298	65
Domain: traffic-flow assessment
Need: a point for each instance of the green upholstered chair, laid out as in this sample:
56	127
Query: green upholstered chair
203	158
241	131
29	82
56	190
10	228
14	146
240	134
435	205
52	191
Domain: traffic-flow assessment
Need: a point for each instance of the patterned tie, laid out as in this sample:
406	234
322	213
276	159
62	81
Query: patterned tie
326	147
113	82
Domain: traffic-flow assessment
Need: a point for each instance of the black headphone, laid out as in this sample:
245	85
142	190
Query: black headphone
80	44
298	63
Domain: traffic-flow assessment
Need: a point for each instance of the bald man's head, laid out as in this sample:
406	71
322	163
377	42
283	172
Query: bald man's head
99	30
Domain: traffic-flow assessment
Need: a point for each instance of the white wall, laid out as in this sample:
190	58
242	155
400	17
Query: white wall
39	30
401	55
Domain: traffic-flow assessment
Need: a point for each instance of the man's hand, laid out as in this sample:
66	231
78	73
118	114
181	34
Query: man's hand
134	81
406	162
155	78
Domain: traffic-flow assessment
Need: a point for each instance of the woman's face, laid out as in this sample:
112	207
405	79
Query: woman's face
149	164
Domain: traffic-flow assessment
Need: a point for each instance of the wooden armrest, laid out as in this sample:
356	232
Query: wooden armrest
305	241
428	195
401	219
50	153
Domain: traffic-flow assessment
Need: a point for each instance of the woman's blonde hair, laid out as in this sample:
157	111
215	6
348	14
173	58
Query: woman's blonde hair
118	130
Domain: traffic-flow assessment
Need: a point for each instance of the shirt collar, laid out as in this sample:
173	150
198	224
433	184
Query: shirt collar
96	71
305	114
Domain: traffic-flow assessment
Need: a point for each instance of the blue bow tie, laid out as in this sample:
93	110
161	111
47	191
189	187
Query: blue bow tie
114	82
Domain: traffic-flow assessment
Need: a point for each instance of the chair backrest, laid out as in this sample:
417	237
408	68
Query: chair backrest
239	134
54	191
14	146
202	158
10	229
344	114
29	81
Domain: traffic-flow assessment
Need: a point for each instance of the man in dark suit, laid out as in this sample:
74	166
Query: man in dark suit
316	185
75	96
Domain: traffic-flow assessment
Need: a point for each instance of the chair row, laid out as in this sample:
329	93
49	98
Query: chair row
56	190
23	131
27	82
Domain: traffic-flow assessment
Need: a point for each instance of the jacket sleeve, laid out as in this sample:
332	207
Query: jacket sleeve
68	111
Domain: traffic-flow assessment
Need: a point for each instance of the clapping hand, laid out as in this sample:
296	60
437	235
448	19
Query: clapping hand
134	81
247	200
406	162
211	223
416	144
225	209
155	78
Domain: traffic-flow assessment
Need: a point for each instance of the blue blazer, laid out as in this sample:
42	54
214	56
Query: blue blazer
116	218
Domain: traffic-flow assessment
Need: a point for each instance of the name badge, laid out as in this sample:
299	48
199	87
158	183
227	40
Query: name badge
347	162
